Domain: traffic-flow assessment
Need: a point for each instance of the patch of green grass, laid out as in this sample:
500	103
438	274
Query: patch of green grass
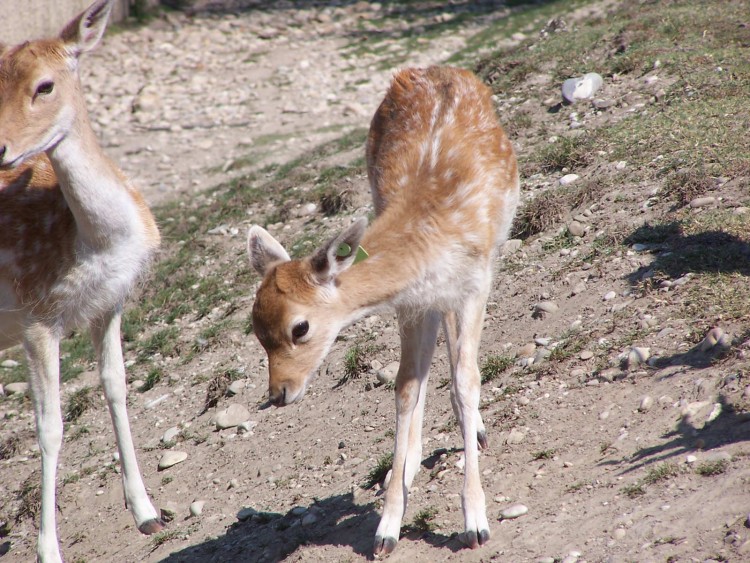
154	376
163	537
377	474
11	446
493	366
570	345
661	472
76	354
164	342
15	374
685	184
424	521
575	487
711	468
551	206
633	491
78	403
566	152
542	454
71	478
308	242
79	432
29	497
356	361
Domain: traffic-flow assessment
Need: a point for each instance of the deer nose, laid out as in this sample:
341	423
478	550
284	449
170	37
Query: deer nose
278	399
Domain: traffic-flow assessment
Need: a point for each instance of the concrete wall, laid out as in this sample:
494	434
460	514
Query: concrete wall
29	19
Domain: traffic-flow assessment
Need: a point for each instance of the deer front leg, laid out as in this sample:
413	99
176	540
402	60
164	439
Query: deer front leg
42	345
418	338
105	334
465	391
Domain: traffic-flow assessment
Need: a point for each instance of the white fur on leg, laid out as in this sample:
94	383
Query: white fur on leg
418	339
42	349
465	398
105	334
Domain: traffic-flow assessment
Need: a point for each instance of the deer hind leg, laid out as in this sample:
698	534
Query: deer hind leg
105	333
418	338
465	388
451	335
42	345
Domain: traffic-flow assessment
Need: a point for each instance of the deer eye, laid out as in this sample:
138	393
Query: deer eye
300	330
45	88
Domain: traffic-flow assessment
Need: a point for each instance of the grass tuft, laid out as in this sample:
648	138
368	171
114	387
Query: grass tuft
377	474
711	468
78	403
493	366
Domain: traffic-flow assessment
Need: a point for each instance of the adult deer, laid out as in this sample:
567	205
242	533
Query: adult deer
76	236
445	184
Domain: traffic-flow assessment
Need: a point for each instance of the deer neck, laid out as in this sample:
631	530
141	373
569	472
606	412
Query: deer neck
398	258
95	190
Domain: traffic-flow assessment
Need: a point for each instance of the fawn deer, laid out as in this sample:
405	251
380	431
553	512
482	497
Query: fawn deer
76	238
445	186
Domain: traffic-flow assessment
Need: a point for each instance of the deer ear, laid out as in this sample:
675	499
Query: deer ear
264	250
84	32
339	253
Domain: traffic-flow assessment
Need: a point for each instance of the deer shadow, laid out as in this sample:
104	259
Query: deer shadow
339	520
396	19
266	537
676	254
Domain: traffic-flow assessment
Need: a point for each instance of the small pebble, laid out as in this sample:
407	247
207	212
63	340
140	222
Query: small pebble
646	403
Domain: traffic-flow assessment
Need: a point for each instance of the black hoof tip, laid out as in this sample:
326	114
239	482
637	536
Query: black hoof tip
469	539
384	546
484	537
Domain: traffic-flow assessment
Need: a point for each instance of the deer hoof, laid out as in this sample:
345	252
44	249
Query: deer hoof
152	526
383	546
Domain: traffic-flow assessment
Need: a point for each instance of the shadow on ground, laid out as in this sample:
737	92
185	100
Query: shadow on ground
677	254
729	427
266	536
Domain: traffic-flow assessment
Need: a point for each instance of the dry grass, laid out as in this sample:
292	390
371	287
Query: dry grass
217	388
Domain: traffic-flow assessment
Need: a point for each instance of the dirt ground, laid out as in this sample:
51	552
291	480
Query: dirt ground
600	447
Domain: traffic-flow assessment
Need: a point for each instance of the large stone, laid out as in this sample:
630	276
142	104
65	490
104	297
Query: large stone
17	388
231	416
513	511
171	458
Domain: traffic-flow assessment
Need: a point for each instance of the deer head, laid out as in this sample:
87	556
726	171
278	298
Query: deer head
39	86
299	310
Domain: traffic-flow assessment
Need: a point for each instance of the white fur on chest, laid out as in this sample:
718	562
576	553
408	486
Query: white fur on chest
446	282
100	280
